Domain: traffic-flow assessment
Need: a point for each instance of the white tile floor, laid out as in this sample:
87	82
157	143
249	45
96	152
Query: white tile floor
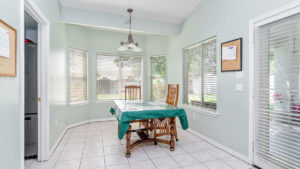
96	146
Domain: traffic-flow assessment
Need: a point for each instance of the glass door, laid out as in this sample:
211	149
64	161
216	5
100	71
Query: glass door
277	103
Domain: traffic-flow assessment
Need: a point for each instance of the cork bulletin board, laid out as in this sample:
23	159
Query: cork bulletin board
8	50
231	55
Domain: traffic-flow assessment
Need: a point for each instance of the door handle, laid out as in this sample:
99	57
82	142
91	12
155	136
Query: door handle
27	118
38	99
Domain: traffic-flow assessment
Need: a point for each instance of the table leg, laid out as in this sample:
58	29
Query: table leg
128	135
172	131
147	126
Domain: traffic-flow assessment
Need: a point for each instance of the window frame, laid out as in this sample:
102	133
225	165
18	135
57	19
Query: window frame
205	110
81	102
165	78
118	55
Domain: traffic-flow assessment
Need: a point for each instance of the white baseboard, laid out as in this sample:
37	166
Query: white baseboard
57	141
221	146
90	121
102	119
75	125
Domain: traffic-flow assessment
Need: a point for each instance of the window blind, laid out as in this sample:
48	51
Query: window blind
277	111
78	75
199	74
158	77
114	72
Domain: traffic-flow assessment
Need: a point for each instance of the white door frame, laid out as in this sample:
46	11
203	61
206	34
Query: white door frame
283	12
43	52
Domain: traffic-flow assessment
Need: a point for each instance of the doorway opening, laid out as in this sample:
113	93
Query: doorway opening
35	83
31	87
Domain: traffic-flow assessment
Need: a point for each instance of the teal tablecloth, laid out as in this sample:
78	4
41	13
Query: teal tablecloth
126	111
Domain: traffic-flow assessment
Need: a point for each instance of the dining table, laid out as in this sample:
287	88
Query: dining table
145	112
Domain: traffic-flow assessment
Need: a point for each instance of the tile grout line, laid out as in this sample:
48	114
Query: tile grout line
173	159
60	154
71	133
149	158
82	151
187	154
103	147
227	164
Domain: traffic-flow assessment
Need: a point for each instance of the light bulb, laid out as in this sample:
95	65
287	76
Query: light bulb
132	46
137	49
122	48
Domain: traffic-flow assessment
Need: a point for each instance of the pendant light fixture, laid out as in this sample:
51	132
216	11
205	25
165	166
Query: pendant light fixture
130	45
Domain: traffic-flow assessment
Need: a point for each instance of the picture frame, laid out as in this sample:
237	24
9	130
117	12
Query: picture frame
8	50
231	55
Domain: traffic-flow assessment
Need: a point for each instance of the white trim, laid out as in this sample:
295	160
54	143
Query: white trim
103	101
43	52
20	60
280	13
200	110
102	119
277	14
158	55
79	103
91	121
251	92
55	145
221	146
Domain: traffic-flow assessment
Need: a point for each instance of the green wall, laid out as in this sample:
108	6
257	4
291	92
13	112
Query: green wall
227	20
10	117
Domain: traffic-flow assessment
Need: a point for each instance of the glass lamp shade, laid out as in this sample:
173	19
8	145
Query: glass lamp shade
122	48
132	46
137	49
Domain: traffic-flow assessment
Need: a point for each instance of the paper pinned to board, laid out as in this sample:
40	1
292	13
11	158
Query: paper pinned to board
4	43
229	53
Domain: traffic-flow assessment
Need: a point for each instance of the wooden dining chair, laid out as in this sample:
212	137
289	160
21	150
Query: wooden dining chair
163	128
172	97
133	92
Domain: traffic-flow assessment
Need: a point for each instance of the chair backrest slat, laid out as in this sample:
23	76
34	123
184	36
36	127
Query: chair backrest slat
133	92
172	97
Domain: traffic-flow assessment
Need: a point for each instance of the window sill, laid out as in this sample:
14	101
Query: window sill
200	110
105	101
81	103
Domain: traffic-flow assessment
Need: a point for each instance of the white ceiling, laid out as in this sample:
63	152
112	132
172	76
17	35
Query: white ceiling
171	11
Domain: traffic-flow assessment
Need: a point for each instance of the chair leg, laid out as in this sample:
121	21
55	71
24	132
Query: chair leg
175	130
154	133
172	131
147	126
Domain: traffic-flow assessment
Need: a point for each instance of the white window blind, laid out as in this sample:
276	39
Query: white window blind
114	72
78	75
277	110
199	74
158	77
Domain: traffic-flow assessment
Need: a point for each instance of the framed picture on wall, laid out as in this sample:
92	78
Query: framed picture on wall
8	50
231	55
